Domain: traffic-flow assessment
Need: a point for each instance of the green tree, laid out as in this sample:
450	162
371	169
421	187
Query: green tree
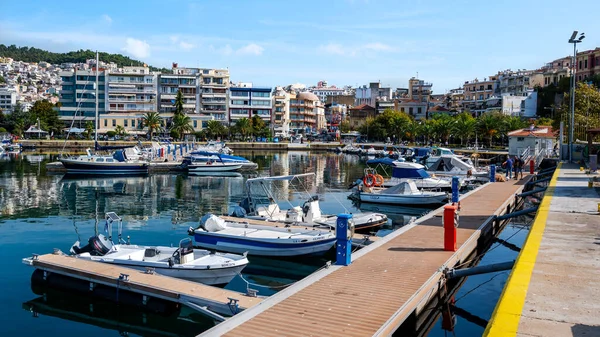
120	130
47	115
182	124
258	125
490	125
2	80
345	127
587	111
543	121
153	122
412	130
89	129
464	126
244	127
443	125
215	129
178	103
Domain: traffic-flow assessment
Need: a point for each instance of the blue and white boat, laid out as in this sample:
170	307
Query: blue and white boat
206	156
241	237
403	171
117	164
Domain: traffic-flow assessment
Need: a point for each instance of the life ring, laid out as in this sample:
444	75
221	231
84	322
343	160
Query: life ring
378	180
369	180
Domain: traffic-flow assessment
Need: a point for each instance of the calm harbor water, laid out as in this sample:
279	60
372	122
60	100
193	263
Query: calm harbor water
40	211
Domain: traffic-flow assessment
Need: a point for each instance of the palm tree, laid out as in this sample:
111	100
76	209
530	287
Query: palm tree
443	125
489	124
464	126
412	130
120	130
182	124
178	103
215	129
244	126
89	129
153	122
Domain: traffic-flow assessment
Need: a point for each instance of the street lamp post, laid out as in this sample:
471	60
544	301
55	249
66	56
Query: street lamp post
574	40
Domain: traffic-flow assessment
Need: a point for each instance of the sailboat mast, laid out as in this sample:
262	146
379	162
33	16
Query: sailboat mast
96	114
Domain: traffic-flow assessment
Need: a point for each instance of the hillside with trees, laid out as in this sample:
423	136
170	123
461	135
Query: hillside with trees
31	54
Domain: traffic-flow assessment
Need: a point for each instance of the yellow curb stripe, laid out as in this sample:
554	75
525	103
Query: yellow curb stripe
507	314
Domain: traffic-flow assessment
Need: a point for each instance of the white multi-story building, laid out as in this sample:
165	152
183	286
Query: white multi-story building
78	96
247	101
322	90
8	100
130	93
281	112
370	95
213	93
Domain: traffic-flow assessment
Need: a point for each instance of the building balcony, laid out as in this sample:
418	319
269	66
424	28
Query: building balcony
131	100
215	110
131	90
134	110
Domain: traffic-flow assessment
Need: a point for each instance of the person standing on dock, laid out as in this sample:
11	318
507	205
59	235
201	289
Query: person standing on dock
509	165
518	167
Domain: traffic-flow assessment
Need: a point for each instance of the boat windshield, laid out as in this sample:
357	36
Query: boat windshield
398	172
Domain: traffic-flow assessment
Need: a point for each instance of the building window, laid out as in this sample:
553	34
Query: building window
195	123
261	94
125	123
419	110
585	64
410	111
239	102
580	63
239	93
114	122
105	122
133	123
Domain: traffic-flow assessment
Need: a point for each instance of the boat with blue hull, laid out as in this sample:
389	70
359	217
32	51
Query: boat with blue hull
206	156
240	237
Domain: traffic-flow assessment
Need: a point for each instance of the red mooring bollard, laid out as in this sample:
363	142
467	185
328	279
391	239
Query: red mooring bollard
450	224
531	166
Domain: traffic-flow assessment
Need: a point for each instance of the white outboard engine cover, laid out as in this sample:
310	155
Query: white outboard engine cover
214	224
313	212
294	214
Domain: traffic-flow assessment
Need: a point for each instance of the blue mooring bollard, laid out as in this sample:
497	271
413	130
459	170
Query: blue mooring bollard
492	173
343	233
455	194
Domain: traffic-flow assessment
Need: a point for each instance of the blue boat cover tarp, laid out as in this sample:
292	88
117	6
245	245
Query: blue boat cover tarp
409	173
383	161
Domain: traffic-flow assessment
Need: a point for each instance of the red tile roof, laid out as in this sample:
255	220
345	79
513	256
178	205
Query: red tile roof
363	107
538	132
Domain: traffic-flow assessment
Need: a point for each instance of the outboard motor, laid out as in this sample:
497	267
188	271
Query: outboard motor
97	245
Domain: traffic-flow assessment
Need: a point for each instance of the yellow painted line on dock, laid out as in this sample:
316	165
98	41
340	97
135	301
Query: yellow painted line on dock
507	314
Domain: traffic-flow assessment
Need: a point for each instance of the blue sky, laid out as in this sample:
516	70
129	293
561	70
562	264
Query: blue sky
350	42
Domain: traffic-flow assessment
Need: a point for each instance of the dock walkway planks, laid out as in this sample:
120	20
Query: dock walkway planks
149	284
385	282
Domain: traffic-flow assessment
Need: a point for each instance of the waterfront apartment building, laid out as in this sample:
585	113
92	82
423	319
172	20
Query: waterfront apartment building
588	64
323	90
516	83
246	101
369	95
419	90
281	112
213	86
476	93
8	100
554	71
304	109
130	93
78	96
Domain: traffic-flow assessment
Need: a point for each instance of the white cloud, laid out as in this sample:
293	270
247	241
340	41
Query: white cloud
137	48
377	46
333	48
250	49
225	51
107	19
185	45
174	38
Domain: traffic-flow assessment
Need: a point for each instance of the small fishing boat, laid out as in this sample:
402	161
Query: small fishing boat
183	262
263	206
192	165
238	237
405	193
117	164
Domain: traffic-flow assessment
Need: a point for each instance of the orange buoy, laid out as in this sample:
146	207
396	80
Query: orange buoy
369	180
378	180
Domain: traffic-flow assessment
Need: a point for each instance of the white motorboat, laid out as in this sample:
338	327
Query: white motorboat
405	193
117	164
403	171
264	207
212	166
452	165
183	262
237	237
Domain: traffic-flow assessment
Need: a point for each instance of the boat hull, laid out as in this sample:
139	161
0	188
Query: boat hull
414	200
214	168
240	245
82	167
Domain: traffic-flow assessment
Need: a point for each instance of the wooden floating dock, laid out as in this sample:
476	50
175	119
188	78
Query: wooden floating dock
387	282
554	287
201	297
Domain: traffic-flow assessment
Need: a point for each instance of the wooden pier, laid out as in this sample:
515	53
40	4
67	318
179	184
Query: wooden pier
387	283
207	299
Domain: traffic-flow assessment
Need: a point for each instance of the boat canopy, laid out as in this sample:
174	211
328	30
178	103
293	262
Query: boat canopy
401	172
447	163
405	187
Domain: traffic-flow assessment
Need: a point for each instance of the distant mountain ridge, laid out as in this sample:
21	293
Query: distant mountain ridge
32	54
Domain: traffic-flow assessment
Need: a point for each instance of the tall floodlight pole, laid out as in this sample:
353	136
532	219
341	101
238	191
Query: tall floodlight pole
574	40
